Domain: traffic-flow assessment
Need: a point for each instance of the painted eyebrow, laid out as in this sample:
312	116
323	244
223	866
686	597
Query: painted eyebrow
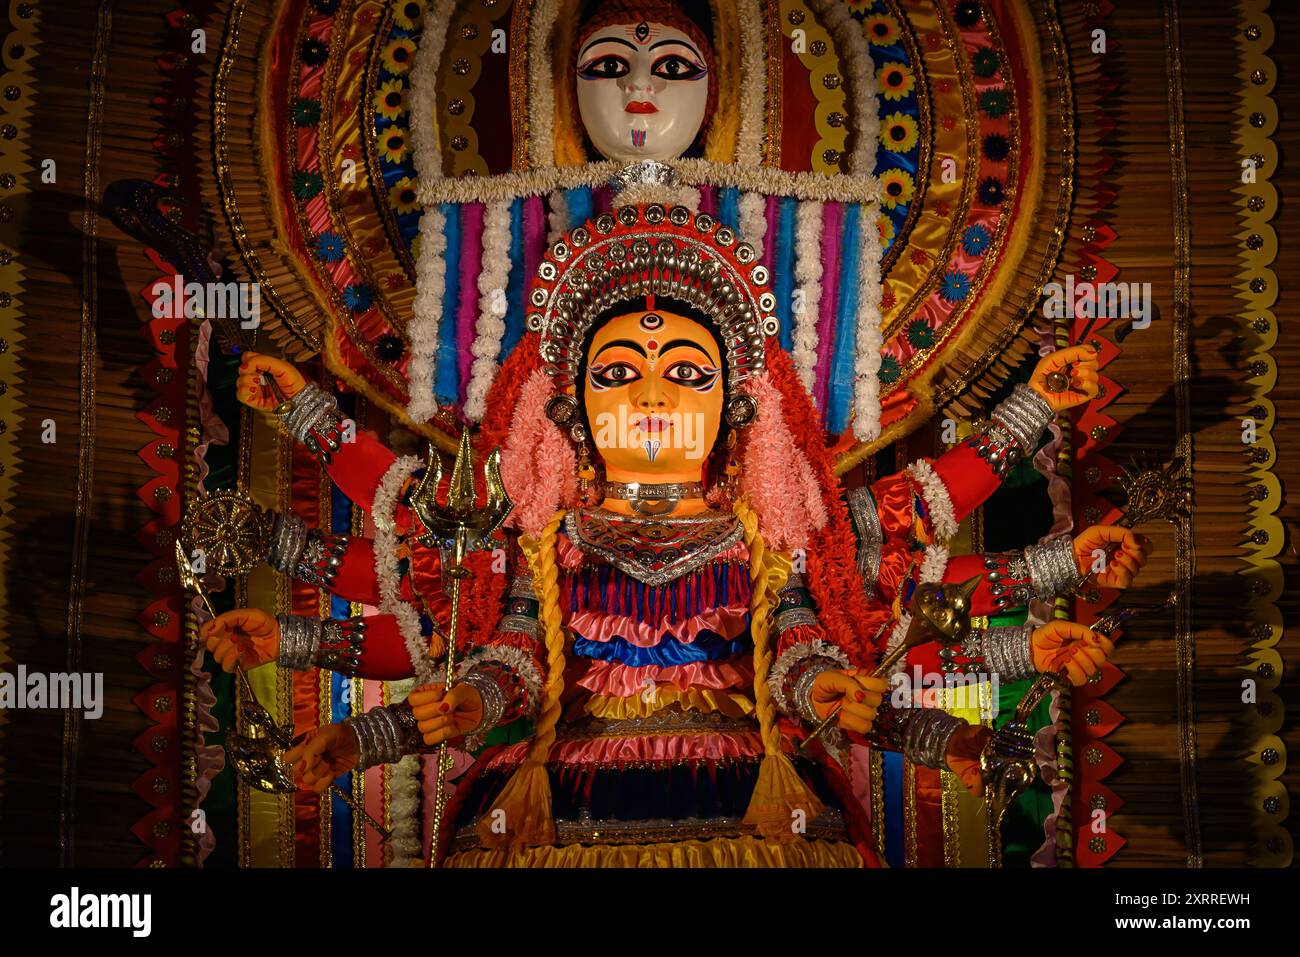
674	343
680	43
626	344
583	51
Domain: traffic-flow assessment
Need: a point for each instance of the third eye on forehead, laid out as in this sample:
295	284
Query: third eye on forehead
660	348
627	42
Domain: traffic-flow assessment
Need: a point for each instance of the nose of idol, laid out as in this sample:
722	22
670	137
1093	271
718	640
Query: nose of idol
653	392
642	91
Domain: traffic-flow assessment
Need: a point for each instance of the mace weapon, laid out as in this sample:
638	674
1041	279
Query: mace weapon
458	525
257	756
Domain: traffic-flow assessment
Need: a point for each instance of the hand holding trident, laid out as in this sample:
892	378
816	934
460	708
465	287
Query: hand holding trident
461	525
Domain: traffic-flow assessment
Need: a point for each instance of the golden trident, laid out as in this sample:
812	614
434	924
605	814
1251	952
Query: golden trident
460	525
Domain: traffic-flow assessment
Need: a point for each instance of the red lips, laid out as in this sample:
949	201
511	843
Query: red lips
641	106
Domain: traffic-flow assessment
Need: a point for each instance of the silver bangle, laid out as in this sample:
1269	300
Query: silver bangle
801	696
299	641
494	706
380	737
1052	567
1008	652
288	539
311	410
1024	414
926	735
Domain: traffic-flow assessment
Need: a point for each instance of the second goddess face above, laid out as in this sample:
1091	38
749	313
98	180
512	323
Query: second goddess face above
642	91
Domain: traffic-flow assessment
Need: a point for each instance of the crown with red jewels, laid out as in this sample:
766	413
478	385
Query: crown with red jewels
641	251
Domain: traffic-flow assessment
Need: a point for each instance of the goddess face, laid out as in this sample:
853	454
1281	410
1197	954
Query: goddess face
642	91
653	391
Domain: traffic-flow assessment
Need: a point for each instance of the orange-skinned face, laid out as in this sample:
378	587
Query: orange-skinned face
653	391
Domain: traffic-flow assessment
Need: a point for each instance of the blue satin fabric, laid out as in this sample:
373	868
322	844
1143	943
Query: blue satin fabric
707	646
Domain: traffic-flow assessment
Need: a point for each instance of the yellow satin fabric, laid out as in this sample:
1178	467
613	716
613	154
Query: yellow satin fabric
704	700
744	851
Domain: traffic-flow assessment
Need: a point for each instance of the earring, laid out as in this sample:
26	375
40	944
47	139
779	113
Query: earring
730	484
586	469
741	409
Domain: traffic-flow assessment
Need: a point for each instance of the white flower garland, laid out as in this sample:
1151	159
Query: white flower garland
426	314
390	583
753	87
644	193
424	93
869	341
541	92
431	266
817	648
808	290
493	276
934	564
753	220
403	848
557	219
859	188
851	45
937	501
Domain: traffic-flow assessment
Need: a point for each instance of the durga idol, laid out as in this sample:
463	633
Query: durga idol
688	591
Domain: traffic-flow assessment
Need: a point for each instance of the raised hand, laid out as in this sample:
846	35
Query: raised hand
963	757
252	389
247	635
1069	646
1079	366
1122	565
322	756
442	715
856	691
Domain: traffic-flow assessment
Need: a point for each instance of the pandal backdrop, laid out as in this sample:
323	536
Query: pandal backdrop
912	175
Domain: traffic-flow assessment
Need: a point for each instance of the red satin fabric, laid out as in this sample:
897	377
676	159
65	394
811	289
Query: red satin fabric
619	680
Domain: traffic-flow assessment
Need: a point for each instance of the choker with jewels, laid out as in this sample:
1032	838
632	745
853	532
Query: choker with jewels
656	499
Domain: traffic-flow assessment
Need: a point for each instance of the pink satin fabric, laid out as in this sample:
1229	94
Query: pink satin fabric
620	680
715	746
729	621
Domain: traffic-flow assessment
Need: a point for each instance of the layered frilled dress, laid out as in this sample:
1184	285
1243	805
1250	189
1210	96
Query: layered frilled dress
658	747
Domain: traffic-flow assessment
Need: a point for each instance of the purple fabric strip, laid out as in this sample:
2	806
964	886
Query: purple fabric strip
534	242
709	200
832	213
471	262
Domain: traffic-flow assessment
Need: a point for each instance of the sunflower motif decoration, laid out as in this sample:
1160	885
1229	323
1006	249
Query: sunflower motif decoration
232	532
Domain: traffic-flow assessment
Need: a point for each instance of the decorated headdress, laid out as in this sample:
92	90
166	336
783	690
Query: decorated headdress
642	251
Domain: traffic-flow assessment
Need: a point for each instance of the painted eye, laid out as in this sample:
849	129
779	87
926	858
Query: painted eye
613	375
608	67
689	374
674	67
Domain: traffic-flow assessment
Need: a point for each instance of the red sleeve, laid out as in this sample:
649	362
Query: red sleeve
384	655
358	467
968	478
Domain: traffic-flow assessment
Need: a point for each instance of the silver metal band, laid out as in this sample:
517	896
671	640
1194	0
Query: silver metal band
384	735
1052	567
311	410
300	637
871	539
1024	414
801	696
926	735
494	706
644	491
1008	653
288	539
